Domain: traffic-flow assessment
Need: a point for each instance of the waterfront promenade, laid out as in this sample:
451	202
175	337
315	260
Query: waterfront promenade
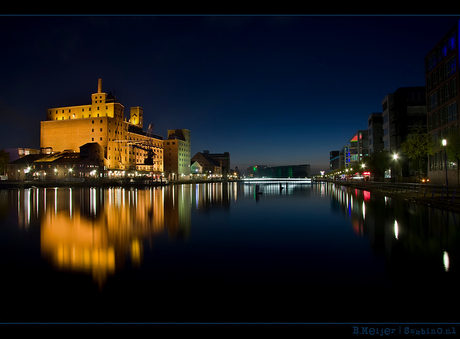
438	196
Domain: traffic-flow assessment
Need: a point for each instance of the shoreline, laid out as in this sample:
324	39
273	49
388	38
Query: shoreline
102	183
427	195
434	199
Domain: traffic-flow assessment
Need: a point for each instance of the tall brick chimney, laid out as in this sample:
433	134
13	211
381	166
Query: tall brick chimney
99	85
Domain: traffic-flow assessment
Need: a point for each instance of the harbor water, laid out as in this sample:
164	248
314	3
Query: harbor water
225	252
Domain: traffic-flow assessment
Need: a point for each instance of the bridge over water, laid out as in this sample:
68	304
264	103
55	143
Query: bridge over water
277	180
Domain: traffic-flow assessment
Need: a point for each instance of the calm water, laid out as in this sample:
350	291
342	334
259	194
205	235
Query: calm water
220	252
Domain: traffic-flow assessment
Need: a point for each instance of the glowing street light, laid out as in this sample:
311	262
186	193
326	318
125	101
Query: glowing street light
395	158
444	144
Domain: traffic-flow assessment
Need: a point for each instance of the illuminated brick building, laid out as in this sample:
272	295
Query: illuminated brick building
126	146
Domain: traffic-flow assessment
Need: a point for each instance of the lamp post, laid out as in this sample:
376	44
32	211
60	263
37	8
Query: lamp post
395	157
444	144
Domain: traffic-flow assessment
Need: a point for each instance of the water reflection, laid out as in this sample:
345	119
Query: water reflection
415	240
100	231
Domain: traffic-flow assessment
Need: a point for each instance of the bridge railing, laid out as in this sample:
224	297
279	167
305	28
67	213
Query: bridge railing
276	180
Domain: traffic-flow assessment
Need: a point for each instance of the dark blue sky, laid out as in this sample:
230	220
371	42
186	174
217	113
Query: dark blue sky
274	90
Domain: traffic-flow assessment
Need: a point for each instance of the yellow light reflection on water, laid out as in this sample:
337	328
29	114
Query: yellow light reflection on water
396	229
136	252
80	229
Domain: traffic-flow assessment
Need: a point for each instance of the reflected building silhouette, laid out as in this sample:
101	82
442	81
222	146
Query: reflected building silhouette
91	230
177	202
98	231
213	195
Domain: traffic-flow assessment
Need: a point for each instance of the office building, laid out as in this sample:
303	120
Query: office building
403	111
442	74
356	149
334	160
375	132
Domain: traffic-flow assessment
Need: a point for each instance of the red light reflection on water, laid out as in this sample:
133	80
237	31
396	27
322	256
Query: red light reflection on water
367	195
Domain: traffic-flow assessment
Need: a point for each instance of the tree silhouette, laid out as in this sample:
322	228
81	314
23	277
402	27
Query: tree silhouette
417	147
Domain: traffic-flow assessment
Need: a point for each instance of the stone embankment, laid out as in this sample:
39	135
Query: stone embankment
442	197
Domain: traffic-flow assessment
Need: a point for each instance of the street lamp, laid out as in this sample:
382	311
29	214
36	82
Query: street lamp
395	158
444	144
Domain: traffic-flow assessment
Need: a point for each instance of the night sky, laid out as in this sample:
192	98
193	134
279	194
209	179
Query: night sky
273	90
